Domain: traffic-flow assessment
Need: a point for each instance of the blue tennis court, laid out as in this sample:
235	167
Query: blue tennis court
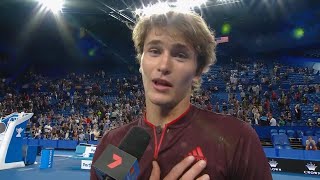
65	167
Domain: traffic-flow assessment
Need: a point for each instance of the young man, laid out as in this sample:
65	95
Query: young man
174	49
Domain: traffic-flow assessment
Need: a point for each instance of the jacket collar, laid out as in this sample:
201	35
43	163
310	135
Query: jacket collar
181	121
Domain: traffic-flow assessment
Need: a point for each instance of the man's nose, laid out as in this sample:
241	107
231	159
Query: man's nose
164	65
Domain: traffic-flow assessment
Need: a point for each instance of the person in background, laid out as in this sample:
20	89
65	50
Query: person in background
310	144
272	121
282	122
316	108
318	122
297	112
310	123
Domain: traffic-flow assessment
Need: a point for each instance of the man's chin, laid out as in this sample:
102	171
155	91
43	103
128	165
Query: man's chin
161	101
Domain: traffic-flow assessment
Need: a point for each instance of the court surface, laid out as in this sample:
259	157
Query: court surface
65	167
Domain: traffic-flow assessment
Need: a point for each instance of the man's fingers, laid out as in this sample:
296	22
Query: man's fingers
178	170
195	170
155	173
204	177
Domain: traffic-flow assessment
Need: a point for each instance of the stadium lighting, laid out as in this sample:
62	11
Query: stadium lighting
163	7
224	1
190	3
53	5
298	33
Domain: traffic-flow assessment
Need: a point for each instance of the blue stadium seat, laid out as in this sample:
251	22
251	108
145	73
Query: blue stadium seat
282	131
273	134
281	140
273	131
308	133
300	133
290	133
286	147
276	142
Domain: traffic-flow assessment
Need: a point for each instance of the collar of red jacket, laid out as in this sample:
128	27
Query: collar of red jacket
181	121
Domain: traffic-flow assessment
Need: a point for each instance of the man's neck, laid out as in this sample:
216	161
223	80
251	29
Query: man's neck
162	115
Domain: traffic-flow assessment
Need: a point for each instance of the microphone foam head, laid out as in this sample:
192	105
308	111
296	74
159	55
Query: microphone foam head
135	142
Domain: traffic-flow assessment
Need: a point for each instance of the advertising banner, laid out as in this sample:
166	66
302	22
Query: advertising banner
294	166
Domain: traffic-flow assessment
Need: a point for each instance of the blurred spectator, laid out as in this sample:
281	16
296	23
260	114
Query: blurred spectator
224	108
47	129
38	132
67	135
304	99
318	122
217	108
256	115
288	115
297	112
274	95
282	122
81	136
316	107
310	144
310	123
272	121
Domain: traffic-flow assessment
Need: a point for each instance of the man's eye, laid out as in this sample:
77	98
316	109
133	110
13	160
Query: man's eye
154	51
181	55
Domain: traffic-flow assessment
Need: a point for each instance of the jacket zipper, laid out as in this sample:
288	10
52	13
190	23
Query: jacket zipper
157	146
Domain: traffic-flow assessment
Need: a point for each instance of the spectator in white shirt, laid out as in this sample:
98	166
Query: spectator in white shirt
273	121
47	128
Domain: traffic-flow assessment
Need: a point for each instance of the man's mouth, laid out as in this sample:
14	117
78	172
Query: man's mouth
161	82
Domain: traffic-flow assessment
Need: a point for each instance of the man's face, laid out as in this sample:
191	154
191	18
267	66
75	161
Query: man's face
168	68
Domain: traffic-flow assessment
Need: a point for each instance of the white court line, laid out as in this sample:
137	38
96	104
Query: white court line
69	156
61	159
25	169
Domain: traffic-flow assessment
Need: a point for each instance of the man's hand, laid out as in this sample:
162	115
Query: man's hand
177	170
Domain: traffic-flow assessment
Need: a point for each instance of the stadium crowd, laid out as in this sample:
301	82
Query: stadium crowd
84	106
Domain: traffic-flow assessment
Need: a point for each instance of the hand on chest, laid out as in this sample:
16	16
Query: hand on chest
174	148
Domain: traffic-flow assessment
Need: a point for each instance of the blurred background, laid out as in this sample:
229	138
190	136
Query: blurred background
61	35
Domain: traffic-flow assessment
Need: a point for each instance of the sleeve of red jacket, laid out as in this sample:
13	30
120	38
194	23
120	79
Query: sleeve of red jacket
249	161
101	146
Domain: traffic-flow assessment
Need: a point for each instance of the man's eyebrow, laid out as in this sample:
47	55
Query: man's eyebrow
180	46
154	42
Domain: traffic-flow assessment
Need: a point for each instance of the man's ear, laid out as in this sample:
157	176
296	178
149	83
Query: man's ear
140	69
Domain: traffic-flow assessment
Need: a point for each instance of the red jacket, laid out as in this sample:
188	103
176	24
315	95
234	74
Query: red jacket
231	147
